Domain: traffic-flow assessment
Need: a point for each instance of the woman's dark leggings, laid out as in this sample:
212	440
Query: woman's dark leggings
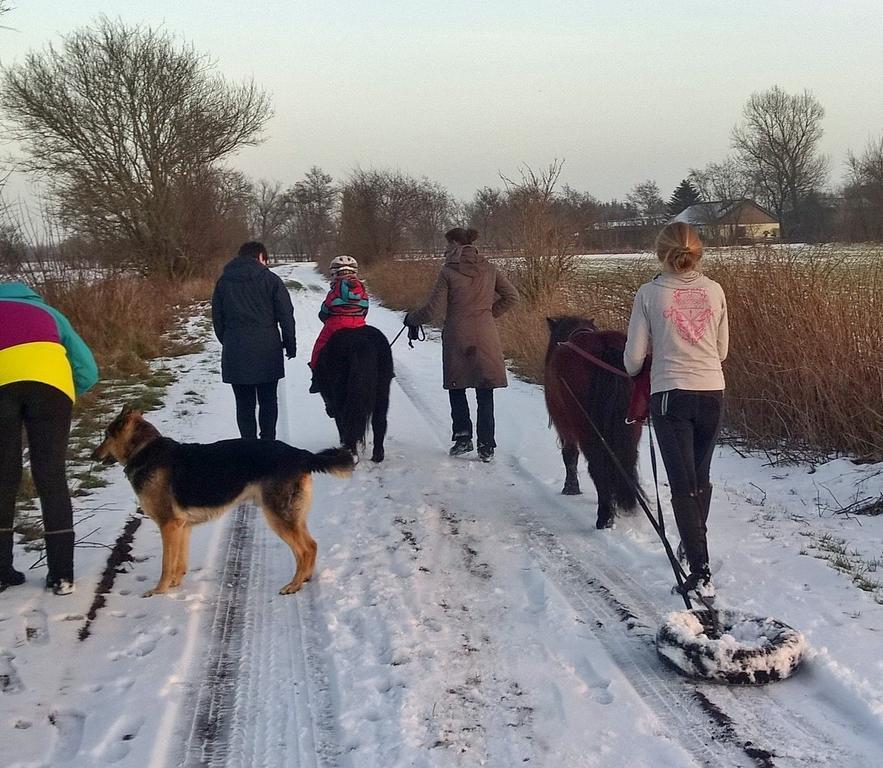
45	413
461	423
268	409
687	424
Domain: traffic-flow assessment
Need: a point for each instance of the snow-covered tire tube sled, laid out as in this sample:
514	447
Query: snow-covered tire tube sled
736	648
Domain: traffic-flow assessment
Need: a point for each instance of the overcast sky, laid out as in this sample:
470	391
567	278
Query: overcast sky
622	90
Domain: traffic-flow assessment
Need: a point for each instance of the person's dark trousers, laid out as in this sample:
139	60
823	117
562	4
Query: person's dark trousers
461	423
268	409
687	424
45	414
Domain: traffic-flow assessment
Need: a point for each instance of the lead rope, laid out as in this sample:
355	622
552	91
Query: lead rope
415	333
679	572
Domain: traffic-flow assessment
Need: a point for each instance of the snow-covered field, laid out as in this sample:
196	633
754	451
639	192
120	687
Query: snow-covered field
463	614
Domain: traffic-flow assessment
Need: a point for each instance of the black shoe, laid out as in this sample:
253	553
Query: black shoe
461	445
9	577
59	586
697	585
485	452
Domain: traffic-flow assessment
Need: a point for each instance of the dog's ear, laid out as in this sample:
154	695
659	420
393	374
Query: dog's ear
130	411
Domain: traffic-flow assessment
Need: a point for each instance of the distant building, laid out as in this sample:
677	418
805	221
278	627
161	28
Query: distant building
728	222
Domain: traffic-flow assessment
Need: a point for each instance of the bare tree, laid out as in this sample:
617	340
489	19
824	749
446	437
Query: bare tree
777	146
434	212
377	210
121	121
487	213
647	198
864	192
311	225
270	211
726	180
545	239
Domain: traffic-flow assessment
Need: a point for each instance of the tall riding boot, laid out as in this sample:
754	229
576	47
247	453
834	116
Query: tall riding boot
704	495
688	516
60	559
9	577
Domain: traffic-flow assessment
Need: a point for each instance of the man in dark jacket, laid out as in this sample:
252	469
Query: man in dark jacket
250	306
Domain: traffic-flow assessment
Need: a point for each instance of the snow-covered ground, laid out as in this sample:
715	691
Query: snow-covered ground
463	614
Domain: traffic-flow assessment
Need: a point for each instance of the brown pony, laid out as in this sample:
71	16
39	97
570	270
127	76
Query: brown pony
604	397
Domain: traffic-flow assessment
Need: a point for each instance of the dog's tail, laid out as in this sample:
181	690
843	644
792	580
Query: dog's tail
334	461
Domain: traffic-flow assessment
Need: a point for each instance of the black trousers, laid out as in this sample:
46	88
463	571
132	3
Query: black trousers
461	423
687	424
268	409
45	413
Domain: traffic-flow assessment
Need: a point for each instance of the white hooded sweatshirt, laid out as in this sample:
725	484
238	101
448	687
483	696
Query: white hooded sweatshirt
682	320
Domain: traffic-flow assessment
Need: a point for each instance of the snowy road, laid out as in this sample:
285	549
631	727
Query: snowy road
463	614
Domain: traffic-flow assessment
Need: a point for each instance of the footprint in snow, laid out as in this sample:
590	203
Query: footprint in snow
144	645
70	724
10	682
599	686
118	740
36	626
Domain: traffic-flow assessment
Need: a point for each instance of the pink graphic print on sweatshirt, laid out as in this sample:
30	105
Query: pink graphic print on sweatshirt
690	311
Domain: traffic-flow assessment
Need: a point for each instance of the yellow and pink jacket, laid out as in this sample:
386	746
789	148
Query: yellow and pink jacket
38	343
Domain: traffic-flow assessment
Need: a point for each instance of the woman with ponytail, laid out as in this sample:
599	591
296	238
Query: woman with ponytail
680	317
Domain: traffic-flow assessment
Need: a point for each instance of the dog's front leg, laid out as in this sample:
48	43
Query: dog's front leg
171	532
180	569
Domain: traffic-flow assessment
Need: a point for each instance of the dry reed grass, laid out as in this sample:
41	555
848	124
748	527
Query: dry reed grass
805	371
124	319
805	374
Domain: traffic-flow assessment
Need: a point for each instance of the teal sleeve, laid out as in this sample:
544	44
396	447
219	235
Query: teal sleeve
83	365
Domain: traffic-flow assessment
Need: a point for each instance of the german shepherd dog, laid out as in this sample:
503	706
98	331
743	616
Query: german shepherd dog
353	375
182	484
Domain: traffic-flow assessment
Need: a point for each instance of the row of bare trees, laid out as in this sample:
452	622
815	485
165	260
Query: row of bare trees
131	130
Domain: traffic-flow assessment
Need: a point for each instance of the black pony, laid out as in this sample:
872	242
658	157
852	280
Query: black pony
353	375
604	398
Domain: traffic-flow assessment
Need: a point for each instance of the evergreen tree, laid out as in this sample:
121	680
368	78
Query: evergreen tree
683	197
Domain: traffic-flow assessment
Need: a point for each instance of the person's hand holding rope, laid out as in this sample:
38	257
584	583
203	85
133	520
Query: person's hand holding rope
415	333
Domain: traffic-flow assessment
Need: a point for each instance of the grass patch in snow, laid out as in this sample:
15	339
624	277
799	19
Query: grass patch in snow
834	551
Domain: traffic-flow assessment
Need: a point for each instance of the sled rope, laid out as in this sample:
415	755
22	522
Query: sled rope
658	526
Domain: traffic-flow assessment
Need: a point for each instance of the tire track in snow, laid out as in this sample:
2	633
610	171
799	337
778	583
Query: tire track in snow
207	741
717	728
263	700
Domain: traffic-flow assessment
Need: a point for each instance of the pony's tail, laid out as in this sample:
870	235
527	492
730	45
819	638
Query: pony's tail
624	443
360	393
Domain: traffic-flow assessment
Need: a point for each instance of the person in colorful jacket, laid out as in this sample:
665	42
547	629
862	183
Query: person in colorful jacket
345	306
44	366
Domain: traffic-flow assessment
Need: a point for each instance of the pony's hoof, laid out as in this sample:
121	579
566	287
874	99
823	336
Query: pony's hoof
604	522
571	490
378	456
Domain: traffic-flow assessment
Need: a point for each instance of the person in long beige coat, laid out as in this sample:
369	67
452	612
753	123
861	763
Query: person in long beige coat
469	293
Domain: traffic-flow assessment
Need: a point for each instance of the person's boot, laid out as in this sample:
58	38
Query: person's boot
60	559
688	516
698	585
486	452
462	444
9	577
